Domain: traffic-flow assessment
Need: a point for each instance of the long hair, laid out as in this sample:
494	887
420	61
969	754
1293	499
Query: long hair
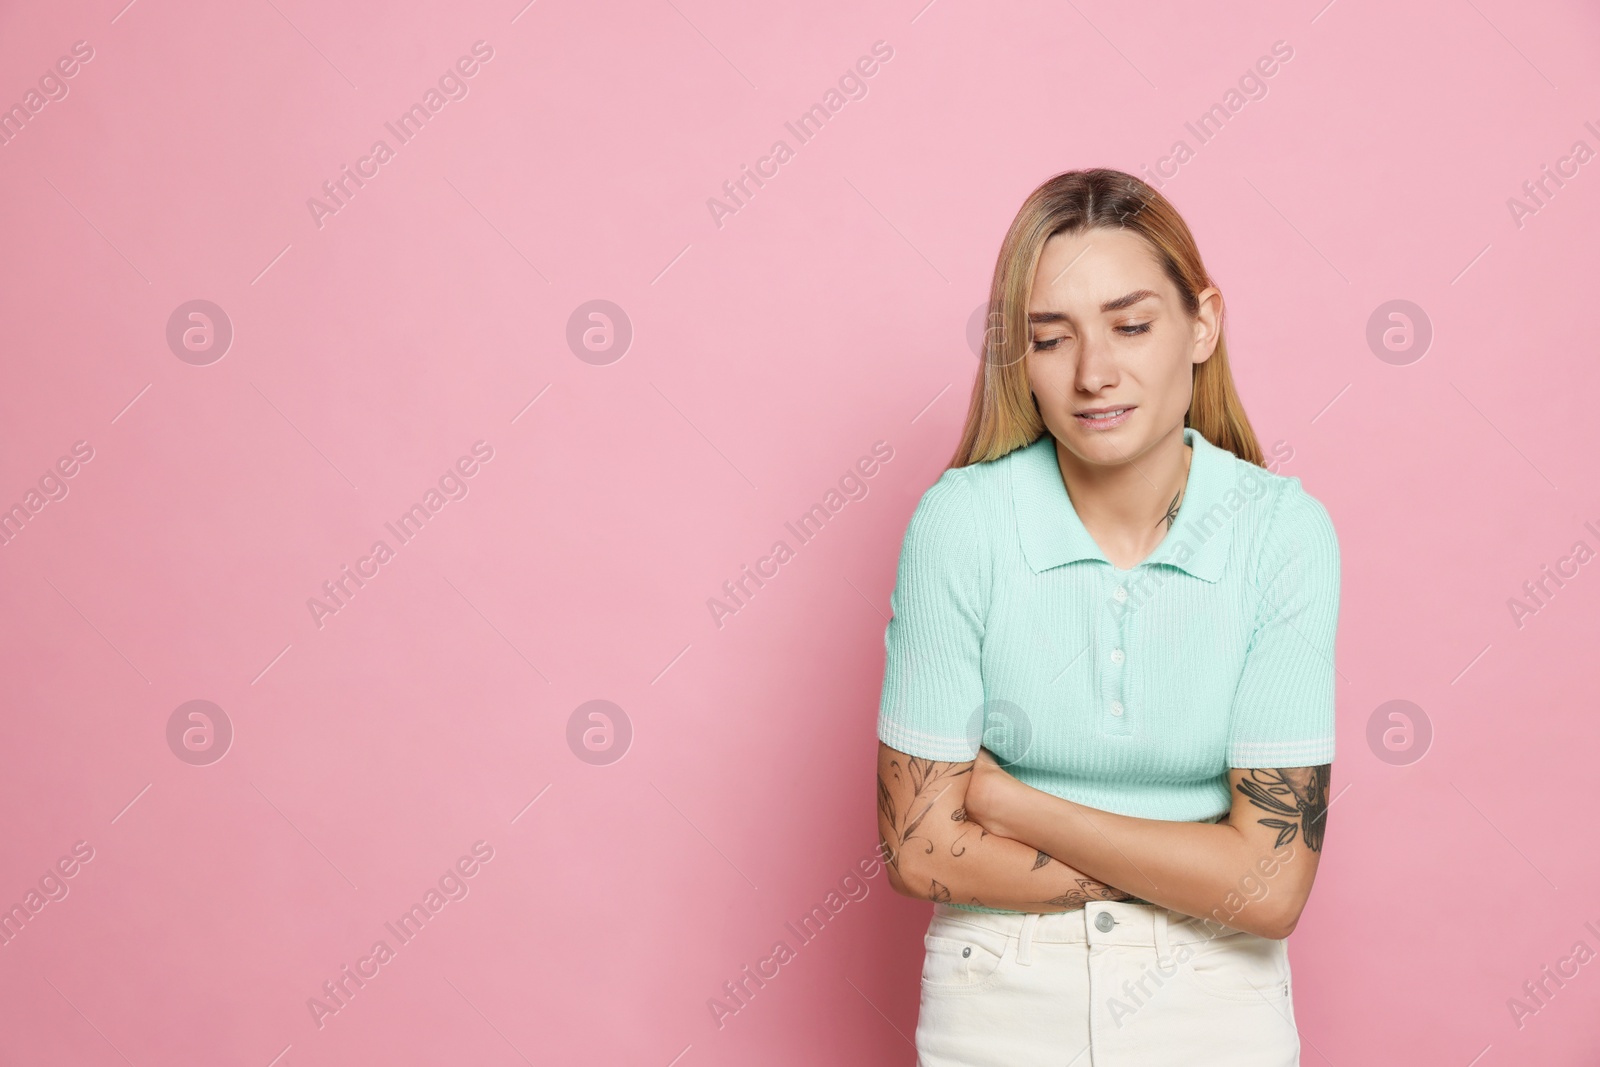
1002	416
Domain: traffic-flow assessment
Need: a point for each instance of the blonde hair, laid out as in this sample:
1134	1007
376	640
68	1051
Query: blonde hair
1002	415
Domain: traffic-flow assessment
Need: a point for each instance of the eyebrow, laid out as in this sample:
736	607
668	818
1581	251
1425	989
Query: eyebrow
1125	300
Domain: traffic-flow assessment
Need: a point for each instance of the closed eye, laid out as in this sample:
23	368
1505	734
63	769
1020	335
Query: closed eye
1132	330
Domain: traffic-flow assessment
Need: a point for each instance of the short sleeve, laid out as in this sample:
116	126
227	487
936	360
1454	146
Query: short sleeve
932	679
1283	708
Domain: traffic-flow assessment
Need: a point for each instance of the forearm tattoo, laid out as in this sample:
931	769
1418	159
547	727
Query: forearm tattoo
922	775
926	781
1296	796
1089	889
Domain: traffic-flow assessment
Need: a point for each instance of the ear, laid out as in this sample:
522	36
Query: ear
1207	324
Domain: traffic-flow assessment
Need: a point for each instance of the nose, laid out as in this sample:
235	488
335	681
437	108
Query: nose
1097	367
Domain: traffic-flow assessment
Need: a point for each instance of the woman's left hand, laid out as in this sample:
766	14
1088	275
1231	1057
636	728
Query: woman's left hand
986	792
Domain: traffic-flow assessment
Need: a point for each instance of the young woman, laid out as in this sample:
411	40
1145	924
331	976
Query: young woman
1108	705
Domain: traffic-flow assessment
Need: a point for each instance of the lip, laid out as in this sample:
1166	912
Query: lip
1105	424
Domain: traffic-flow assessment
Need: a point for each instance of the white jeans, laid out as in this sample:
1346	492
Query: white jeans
1111	985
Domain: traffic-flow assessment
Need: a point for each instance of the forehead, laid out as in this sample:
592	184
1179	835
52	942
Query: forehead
1082	270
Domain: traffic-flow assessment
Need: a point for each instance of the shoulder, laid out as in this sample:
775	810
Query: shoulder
1289	525
1299	520
985	493
943	522
963	516
990	482
969	497
949	498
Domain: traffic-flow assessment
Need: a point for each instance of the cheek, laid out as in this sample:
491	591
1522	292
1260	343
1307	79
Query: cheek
1167	374
1047	374
1035	378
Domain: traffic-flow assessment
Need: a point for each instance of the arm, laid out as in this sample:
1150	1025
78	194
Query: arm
934	851
1253	872
1273	834
933	681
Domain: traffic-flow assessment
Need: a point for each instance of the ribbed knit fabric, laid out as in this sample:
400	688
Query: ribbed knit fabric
1132	691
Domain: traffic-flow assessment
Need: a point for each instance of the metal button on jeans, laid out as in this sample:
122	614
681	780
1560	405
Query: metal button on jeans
967	951
1104	922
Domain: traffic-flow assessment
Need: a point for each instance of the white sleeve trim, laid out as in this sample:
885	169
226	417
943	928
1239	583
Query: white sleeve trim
1309	753
926	746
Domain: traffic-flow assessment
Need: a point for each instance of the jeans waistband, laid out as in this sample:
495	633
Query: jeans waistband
1107	922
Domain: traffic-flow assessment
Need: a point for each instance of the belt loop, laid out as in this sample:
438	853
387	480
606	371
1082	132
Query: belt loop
1163	949
1025	942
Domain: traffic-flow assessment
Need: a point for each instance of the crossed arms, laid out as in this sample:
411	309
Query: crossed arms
970	833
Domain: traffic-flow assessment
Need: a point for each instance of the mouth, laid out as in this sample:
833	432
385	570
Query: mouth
1103	418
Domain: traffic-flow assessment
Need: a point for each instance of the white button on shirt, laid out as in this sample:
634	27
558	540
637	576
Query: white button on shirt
1116	655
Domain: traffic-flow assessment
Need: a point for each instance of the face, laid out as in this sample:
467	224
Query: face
1110	332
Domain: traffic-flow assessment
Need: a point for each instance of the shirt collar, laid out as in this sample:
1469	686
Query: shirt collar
1052	533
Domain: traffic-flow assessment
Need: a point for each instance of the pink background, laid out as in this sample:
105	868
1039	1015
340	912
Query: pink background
768	355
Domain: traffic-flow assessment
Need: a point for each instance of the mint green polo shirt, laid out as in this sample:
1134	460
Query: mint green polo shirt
1132	691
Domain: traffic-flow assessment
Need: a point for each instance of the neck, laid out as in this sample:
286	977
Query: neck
1128	507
